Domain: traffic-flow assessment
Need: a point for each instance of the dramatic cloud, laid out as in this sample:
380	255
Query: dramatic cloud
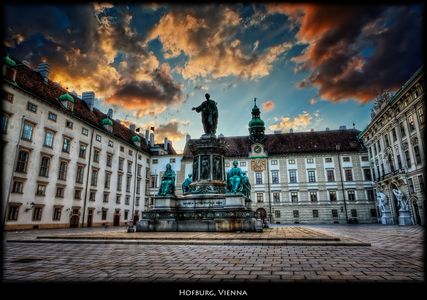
302	121
268	105
169	130
208	36
313	101
355	52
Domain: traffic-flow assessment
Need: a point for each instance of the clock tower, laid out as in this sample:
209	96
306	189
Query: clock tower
256	126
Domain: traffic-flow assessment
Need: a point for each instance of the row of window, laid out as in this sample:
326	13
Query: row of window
155	161
390	162
334	213
351	196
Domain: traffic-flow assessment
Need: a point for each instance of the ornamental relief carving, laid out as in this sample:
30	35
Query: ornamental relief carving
405	146
414	140
258	165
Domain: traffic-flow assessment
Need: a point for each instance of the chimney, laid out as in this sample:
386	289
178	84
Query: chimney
327	128
132	127
342	127
147	136
291	130
89	98
152	139
110	113
165	145
44	68
312	129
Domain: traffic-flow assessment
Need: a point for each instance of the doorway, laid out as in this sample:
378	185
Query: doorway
89	218
74	219
116	221
417	212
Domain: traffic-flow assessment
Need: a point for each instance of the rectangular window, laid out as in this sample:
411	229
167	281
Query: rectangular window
421	183
292	176
296	213
315	213
294	197
57	214
154	161
411	186
92	195
275	177
227	164
346	159
311	176
153	181
37	213
128	180
80	173
129	167
172	160
126	214
277	213
41	190
109	159
402	129
379	146
387	143
17	187
259	197
138	172
408	159
417	154
96	155
354	213
4	122
411	123
66	145
104	214
276	197
119	182
12	214
130	152
393	132
110	143
127	200
69	124
94	178
51	116
310	160
44	166
8	96
138	186
330	175
122	149
258	178
85	131
332	196
31	107
370	193
77	194
137	201
291	161
373	213
118	196
48	139
313	196
421	115
107	180
82	150
27	131
334	213
274	162
121	161
367	174
351	196
243	164
62	174
348	175
328	159
365	158
105	198
21	165
399	161
98	138
60	192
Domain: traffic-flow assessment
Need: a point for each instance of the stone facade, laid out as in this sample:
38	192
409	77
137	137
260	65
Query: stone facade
394	138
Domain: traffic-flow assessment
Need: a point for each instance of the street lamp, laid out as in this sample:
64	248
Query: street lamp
338	148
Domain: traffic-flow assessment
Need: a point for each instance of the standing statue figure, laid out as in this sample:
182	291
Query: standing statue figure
246	185
168	182
234	179
401	199
186	184
209	115
382	201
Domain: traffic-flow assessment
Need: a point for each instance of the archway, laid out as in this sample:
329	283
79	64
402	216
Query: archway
261	214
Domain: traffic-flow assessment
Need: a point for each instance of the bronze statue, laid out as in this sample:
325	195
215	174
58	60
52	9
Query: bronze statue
234	179
186	184
168	182
209	115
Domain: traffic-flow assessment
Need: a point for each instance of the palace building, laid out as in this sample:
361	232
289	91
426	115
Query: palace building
395	140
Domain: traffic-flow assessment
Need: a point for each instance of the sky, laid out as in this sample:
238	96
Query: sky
309	66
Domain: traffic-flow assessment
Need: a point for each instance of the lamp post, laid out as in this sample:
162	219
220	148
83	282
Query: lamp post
338	148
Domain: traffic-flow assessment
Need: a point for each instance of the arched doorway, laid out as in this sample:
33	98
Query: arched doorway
261	214
74	218
90	217
116	220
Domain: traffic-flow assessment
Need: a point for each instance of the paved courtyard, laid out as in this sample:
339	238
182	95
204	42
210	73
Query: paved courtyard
395	254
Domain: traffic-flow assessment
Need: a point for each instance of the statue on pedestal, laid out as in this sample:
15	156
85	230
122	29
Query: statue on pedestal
186	184
167	186
246	185
382	202
401	199
235	178
209	115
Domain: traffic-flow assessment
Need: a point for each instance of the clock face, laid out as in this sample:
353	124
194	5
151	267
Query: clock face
257	148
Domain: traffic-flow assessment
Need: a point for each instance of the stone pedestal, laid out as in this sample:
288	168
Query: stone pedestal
386	218
405	217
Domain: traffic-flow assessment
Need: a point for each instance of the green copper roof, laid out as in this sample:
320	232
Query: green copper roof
107	121
8	61
136	139
66	97
256	122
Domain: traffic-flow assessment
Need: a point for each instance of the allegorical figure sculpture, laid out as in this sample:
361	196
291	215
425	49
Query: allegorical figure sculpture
168	182
246	185
382	201
186	184
209	115
235	178
401	199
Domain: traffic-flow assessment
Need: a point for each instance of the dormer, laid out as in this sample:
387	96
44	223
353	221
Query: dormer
9	69
108	124
136	139
67	101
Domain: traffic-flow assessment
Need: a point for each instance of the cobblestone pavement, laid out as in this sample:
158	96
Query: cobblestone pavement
395	255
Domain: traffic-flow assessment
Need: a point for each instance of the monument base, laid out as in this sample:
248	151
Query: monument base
404	217
386	218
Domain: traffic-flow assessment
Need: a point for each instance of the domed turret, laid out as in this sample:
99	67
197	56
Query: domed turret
256	125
